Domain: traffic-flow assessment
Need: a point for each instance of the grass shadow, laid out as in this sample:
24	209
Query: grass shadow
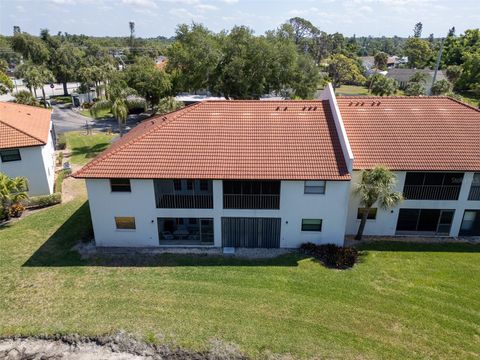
195	260
89	151
57	250
419	247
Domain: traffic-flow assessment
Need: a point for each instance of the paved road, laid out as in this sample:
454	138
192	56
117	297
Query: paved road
65	119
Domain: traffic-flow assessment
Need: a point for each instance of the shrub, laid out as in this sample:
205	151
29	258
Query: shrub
61	175
332	256
16	210
44	200
61	142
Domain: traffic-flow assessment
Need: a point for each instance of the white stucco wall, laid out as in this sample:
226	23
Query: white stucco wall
386	221
37	164
331	207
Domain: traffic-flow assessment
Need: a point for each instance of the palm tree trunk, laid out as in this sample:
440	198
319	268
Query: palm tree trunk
44	98
363	222
65	89
120	127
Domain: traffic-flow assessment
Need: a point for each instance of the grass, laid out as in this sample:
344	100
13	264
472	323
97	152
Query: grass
85	147
101	114
402	301
470	98
63	99
347	90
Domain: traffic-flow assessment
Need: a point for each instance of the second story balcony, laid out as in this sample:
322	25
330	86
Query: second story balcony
256	195
183	194
432	186
474	193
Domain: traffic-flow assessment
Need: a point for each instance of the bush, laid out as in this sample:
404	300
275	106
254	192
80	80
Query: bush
44	200
332	256
16	210
61	142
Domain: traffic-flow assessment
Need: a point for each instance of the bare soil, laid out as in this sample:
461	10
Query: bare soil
113	347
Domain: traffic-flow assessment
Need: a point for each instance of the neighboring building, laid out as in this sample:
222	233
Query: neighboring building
279	173
27	146
403	76
433	146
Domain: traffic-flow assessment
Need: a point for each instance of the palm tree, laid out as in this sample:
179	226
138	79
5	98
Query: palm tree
119	101
12	191
35	76
376	186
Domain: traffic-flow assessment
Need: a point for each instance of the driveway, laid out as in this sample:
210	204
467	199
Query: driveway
66	119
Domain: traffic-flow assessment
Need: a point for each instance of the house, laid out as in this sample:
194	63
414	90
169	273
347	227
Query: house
161	62
280	173
433	146
27	146
403	76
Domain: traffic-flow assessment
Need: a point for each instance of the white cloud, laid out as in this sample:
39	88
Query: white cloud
184	13
205	7
20	8
63	2
366	8
229	1
141	3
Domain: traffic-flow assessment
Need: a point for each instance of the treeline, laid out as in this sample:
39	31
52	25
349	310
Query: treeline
293	60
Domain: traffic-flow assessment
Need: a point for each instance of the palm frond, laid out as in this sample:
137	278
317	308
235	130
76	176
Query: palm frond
99	106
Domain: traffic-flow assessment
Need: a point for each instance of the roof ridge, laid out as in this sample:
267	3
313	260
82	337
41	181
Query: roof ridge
22	131
110	152
463	103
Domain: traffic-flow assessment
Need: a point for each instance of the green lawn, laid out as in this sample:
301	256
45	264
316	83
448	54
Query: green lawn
411	303
85	147
347	90
101	114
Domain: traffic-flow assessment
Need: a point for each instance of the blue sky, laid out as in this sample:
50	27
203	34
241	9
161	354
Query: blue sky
160	17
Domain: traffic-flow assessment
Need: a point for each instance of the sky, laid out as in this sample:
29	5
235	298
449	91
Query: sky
160	17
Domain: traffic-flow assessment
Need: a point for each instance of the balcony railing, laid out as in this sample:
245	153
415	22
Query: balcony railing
251	201
474	193
431	192
177	201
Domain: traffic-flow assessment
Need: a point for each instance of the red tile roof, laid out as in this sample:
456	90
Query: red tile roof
412	133
23	125
293	140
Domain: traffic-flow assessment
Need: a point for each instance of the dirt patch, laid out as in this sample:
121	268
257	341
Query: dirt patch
73	188
120	346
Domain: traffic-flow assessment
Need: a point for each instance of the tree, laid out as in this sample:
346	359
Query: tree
305	78
376	186
12	191
26	98
3	65
244	71
418	77
415	89
382	86
381	60
417	30
149	82
470	77
35	76
6	84
169	104
453	73
119	102
65	63
441	87
193	57
31	48
418	51
342	69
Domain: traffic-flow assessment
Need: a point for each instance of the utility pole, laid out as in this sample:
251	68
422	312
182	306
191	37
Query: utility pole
132	32
437	65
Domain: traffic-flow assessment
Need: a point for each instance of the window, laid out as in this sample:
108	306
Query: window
125	222
189	184
315	187
120	185
203	185
311	224
10	155
177	185
372	213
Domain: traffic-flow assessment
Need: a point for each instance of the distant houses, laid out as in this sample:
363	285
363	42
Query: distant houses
403	76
